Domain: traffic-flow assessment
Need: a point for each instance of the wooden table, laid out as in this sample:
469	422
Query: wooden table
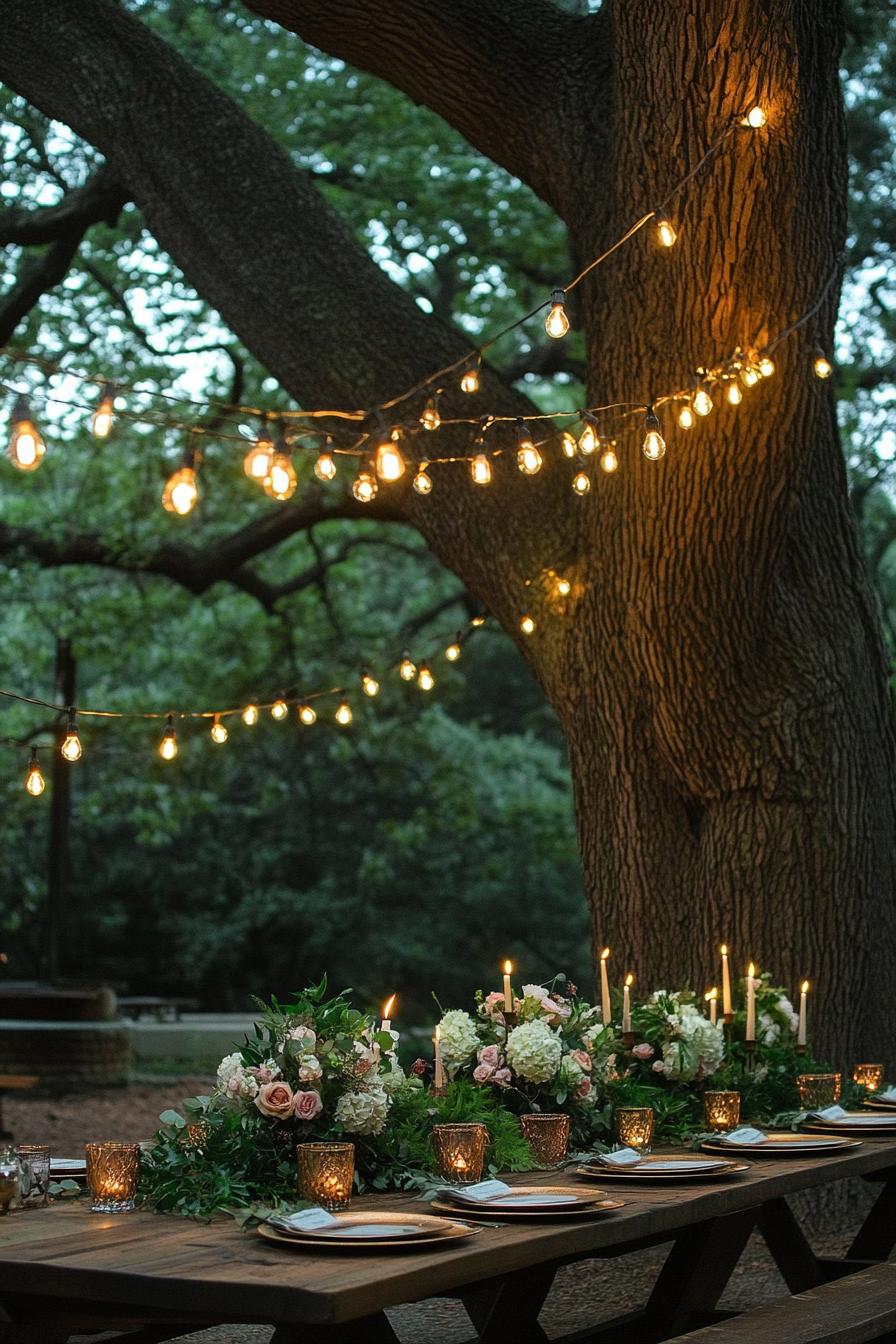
63	1269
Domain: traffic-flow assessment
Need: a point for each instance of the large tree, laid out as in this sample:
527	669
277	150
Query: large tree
717	668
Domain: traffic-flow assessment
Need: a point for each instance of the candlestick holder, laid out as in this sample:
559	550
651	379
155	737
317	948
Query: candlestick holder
728	1019
869	1076
511	1020
459	1152
750	1057
629	1039
802	1049
326	1173
440	1091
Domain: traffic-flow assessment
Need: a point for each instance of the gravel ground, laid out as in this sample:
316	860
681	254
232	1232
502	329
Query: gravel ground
582	1294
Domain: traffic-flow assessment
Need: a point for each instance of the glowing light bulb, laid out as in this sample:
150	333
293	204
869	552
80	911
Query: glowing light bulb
564	587
281	481
654	445
389	462
749	375
477	621
257	462
249	716
343	714
218	731
425	678
181	489
528	459
588	439
34	780
766	366
453	651
755	118
556	323
527	625
664	228
429	416
609	462
734	394
407	669
470	379
71	746
481	469
369	685
168	744
581	482
26	448
423	481
686	416
307	715
104	414
822	366
364	487
702	401
568	444
325	467
279	709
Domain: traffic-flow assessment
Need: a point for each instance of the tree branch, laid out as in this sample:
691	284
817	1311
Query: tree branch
36	276
100	200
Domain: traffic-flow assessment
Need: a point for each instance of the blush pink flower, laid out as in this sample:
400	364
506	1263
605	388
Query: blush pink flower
483	1073
642	1051
503	1077
582	1058
657	1066
558	1012
493	1003
307	1105
275	1100
490	1055
585	1087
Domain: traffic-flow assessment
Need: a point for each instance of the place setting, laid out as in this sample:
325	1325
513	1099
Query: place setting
521	1202
317	1229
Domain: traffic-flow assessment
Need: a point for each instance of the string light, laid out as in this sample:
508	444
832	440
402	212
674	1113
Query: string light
369	685
755	118
389	463
568	444
453	651
26	446
104	413
430	419
686	416
168	744
257	462
407	668
249	716
654	445
422	480
528	458
822	365
665	231
343	713
469	381
325	466
218	731
556	324
425	679
750	375
608	459
279	709
480	469
581	482
733	393
477	621
766	366
702	401
364	486
307	714
71	746
181	489
281	480
588	437
34	780
527	625
564	587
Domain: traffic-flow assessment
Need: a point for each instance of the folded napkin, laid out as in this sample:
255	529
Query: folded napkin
306	1220
623	1157
830	1113
889	1094
746	1134
480	1193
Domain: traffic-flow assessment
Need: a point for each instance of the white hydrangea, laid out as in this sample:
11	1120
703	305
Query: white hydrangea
363	1112
786	1008
572	1075
697	1048
233	1079
534	1051
768	1029
457	1033
534	992
394	1078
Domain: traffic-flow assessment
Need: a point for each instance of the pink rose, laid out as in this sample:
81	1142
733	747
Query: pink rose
275	1100
503	1077
585	1087
582	1058
642	1051
307	1105
483	1073
493	1003
490	1055
557	1012
657	1066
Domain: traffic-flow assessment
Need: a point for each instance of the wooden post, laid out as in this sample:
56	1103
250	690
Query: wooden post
60	812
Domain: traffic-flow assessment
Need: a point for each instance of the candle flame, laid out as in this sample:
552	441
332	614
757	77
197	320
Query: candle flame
711	994
724	949
804	987
508	967
605	954
751	970
388	1005
629	980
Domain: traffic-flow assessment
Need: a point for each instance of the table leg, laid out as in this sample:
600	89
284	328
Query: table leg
790	1250
876	1237
374	1329
505	1310
696	1272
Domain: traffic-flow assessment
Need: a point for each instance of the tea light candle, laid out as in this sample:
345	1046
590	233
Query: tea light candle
751	1003
627	1003
508	989
386	1024
726	982
712	998
801	1031
439	1070
605	987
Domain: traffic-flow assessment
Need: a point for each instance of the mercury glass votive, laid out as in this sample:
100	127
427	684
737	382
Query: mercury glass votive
547	1136
870	1076
459	1152
818	1090
722	1111
634	1127
326	1173
112	1171
35	1184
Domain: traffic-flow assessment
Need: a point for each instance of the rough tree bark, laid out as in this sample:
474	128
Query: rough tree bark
717	667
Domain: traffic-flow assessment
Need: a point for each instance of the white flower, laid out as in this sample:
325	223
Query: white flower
534	992
572	1075
534	1052
457	1033
786	1008
310	1069
769	1029
234	1080
363	1112
697	1049
393	1079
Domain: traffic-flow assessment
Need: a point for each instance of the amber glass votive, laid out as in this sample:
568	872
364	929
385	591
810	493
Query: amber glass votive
459	1152
722	1111
112	1171
634	1127
547	1136
818	1089
326	1173
870	1076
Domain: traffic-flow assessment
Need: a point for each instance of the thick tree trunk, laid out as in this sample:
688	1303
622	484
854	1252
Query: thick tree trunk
717	666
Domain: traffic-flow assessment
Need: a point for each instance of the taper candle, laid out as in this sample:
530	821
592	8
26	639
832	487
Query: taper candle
627	1003
386	1024
508	989
712	998
751	1003
439	1070
726	982
605	987
801	1032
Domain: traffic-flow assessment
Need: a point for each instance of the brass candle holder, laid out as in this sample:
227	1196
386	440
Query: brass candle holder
326	1173
459	1152
870	1076
817	1090
629	1040
547	1136
112	1172
634	1127
721	1111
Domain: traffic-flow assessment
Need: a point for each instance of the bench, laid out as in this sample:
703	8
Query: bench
134	1007
13	1082
851	1310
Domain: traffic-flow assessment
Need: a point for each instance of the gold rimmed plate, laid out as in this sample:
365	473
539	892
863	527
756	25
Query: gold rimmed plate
665	1170
880	1104
855	1122
358	1227
521	1199
583	1206
428	1231
783	1144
